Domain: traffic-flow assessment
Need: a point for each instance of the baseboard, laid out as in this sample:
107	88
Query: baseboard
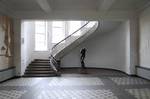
143	72
6	74
143	67
93	68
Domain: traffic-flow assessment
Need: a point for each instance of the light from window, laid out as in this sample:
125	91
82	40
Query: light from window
91	24
58	31
73	26
41	36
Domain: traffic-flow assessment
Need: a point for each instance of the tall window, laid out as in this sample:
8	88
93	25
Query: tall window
58	31
41	36
73	26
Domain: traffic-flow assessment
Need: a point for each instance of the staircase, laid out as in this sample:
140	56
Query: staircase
48	68
70	42
73	40
40	68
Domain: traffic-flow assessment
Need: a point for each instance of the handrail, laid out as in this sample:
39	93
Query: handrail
70	35
52	65
54	58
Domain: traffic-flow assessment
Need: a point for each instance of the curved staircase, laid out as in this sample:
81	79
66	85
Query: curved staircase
70	42
73	40
50	67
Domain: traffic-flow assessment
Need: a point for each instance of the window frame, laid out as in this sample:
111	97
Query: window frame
64	31
45	35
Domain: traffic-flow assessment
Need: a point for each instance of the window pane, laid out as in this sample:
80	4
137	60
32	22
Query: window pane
40	42
58	31
40	27
40	36
73	26
58	35
58	23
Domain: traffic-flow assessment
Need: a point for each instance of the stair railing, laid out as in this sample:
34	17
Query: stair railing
69	35
53	61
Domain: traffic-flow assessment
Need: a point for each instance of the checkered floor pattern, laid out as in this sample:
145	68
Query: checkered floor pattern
11	94
92	85
22	82
76	94
140	93
128	80
74	81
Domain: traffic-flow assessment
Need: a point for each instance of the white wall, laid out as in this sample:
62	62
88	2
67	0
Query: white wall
27	44
107	50
17	46
145	38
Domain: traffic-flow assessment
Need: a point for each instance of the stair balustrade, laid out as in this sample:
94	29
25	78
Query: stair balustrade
76	37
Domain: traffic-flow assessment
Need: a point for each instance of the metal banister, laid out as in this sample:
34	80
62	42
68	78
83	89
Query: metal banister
70	35
55	63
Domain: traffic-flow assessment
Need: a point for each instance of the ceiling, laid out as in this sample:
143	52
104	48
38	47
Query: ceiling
108	26
32	5
53	7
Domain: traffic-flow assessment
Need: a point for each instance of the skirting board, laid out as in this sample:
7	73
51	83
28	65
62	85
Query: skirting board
93	68
143	72
7	74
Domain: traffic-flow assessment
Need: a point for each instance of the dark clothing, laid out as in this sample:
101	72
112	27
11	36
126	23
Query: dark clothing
82	64
83	52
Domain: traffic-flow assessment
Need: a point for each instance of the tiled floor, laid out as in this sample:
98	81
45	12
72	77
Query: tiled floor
129	81
142	93
96	84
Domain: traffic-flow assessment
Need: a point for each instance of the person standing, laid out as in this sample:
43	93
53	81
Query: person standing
83	54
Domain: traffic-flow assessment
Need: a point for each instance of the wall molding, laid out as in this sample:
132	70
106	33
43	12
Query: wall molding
94	68
7	69
7	73
143	72
143	67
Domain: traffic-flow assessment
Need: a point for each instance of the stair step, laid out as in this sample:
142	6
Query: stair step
41	60
39	69
39	72
34	62
40	75
39	66
47	62
42	64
